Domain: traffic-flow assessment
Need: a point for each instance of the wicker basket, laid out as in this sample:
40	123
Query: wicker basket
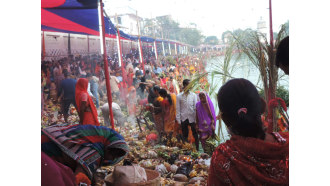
152	176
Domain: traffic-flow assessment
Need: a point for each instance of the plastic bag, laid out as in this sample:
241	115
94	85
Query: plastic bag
185	169
161	169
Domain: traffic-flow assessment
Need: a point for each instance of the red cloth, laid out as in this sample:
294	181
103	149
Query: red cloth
163	81
151	137
172	88
251	161
89	117
143	102
97	70
130	79
54	173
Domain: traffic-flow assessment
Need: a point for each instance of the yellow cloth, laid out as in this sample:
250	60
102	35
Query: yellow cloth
169	118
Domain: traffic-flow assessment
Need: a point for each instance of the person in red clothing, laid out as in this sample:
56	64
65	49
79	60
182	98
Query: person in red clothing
130	76
85	106
251	156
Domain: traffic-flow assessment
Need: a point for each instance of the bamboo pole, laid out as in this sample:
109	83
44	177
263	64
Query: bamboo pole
106	71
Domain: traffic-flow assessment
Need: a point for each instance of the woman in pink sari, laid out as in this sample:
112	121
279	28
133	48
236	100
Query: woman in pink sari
205	118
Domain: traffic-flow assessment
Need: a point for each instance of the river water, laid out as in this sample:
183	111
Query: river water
244	69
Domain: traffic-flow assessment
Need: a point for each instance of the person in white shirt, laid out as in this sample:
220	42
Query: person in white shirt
186	112
147	66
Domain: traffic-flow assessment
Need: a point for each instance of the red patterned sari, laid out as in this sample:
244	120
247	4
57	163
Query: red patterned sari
251	161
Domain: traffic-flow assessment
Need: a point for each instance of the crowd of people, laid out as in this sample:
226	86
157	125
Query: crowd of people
154	87
161	87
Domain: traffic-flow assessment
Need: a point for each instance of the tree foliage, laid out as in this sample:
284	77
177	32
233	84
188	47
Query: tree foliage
211	40
191	36
223	36
167	28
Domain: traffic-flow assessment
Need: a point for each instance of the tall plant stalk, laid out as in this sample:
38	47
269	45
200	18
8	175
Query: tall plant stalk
256	47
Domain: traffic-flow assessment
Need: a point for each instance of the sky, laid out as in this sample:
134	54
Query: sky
212	17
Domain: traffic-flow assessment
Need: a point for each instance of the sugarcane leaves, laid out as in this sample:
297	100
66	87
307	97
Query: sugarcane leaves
195	82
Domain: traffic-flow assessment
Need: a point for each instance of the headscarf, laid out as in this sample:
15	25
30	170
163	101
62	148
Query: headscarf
81	87
203	115
86	144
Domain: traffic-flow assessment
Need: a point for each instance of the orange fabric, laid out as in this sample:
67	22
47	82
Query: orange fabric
177	129
170	114
191	138
81	88
82	178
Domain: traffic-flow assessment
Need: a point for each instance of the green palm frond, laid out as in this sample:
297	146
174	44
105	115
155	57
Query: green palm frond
194	83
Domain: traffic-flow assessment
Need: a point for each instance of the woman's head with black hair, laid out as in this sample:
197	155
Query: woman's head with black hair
163	93
156	89
241	108
282	55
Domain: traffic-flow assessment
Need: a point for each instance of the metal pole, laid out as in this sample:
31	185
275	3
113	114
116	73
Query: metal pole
140	45
69	45
43	46
87	44
163	48
106	71
121	61
118	49
155	46
141	54
176	52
